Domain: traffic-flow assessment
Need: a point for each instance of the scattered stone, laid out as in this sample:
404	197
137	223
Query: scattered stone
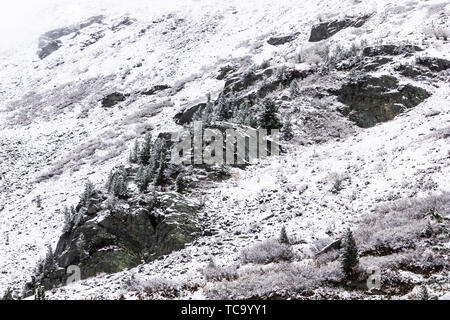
390	50
276	41
325	30
155	89
113	99
434	64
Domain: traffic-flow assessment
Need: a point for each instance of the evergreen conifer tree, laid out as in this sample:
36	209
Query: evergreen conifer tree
349	257
283	236
180	183
8	295
134	154
49	262
223	108
288	132
40	294
424	295
269	117
146	149
160	178
120	188
88	192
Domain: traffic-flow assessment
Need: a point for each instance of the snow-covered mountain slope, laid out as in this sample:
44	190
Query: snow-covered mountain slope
56	131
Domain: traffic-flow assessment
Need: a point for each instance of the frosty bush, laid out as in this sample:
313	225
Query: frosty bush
284	279
266	252
315	55
214	273
399	226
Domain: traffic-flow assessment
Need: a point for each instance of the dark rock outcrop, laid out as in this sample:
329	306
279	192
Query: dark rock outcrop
48	48
335	245
112	99
277	41
413	72
155	89
186	116
372	100
390	50
224	71
110	241
325	30
434	64
49	42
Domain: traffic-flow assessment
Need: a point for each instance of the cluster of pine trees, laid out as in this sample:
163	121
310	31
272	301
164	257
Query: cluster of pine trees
152	160
226	110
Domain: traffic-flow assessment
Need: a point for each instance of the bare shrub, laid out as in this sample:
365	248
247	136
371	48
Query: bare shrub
214	273
285	280
266	252
396	226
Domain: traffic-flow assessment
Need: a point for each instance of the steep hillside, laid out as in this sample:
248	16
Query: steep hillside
362	94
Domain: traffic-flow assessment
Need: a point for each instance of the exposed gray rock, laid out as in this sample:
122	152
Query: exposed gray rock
390	50
434	64
276	41
335	245
224	71
372	100
325	30
49	48
112	99
186	116
414	72
155	89
49	42
109	242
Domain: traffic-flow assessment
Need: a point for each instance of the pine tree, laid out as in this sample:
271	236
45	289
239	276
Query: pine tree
198	115
223	108
349	257
284	237
39	201
120	188
146	149
208	113
269	117
40	294
49	262
429	230
295	89
88	192
180	183
288	132
8	295
68	220
153	200
160	178
158	148
112	203
134	154
424	295
143	178
117	182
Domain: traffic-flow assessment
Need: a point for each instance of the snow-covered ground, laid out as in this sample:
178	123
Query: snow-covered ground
54	134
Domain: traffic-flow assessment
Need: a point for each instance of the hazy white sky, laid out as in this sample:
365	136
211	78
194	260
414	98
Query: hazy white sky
22	21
